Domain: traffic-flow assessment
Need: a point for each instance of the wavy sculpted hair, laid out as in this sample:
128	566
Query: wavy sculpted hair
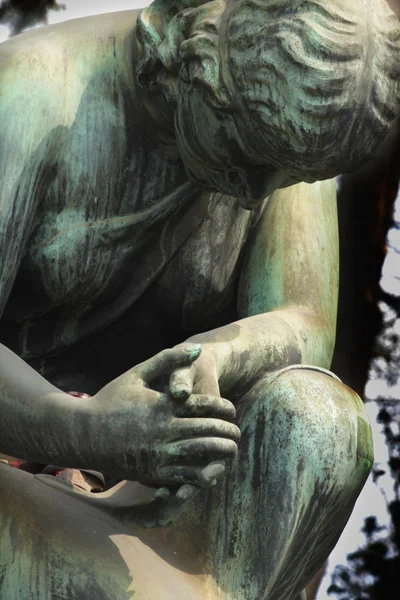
314	84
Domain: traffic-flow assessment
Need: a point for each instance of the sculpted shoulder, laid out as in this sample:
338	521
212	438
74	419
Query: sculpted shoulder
46	71
61	90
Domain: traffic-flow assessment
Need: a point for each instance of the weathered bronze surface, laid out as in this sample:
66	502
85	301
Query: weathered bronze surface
168	244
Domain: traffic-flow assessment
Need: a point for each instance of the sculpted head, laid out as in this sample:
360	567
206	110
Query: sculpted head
259	94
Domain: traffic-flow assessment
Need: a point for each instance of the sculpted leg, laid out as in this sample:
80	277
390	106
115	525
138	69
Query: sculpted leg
52	546
261	534
304	456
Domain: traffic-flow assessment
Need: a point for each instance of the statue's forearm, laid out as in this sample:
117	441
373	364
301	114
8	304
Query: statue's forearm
246	350
38	421
288	288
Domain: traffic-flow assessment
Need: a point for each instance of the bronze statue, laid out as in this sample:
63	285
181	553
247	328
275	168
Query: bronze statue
169	245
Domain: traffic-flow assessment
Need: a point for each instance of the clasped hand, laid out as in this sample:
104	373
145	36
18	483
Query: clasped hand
176	434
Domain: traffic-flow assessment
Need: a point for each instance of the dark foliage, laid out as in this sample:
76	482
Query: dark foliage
20	15
373	572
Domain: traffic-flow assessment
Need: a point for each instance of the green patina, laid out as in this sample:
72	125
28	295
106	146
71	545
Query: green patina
166	172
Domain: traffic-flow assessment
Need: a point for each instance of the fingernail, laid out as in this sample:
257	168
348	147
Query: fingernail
181	391
185	493
214	469
193	349
211	472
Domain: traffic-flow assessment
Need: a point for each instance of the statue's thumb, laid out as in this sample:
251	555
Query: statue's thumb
181	384
193	350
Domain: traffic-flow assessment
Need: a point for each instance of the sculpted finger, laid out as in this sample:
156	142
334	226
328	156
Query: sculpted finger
169	360
167	503
212	471
201	450
181	383
186	492
165	506
198	476
206	406
169	506
203	427
162	493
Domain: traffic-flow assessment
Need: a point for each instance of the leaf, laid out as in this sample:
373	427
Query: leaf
384	416
335	589
394	463
376	474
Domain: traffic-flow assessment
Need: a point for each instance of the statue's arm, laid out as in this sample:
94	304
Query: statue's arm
288	290
292	268
36	418
38	421
127	428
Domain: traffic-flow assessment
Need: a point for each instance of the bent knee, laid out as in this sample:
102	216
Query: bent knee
315	405
308	391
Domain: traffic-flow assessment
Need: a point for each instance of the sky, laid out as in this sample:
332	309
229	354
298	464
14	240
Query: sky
370	501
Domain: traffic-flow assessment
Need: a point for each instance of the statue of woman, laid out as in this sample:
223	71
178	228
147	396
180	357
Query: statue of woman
168	245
